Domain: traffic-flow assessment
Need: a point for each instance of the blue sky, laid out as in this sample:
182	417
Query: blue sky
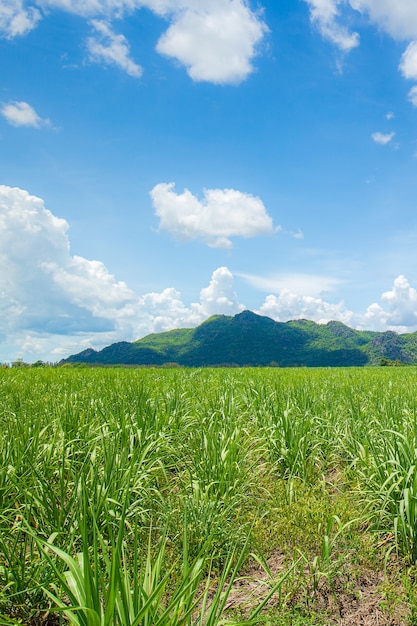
165	160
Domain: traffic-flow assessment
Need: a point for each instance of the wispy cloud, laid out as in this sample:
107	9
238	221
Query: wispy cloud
397	19
408	64
325	15
412	96
110	49
15	20
303	284
382	138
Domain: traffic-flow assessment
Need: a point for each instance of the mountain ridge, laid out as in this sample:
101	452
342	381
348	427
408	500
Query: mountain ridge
249	339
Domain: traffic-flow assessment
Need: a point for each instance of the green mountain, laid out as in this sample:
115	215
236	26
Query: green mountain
248	339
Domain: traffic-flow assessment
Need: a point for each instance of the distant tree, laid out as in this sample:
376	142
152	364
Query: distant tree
390	363
20	363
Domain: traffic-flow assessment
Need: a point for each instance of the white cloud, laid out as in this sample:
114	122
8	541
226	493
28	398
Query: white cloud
220	297
88	284
289	305
15	20
397	310
216	41
408	64
111	49
400	313
412	96
374	318
222	214
324	14
402	303
382	138
22	114
396	17
158	312
41	286
53	304
408	68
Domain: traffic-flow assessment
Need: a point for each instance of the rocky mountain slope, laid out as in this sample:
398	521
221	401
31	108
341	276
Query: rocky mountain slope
248	339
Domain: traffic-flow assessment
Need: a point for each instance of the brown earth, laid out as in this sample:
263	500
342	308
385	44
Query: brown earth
360	601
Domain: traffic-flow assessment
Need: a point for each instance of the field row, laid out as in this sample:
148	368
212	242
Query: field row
141	497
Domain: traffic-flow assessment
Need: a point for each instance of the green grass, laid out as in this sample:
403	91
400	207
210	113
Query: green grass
212	496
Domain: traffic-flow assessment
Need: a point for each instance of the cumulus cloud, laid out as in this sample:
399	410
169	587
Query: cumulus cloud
215	40
53	304
296	296
88	284
35	256
289	305
382	138
220	297
49	297
402	303
22	114
398	310
398	18
110	49
223	213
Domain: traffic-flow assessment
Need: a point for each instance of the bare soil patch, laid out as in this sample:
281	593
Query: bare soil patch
348	600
